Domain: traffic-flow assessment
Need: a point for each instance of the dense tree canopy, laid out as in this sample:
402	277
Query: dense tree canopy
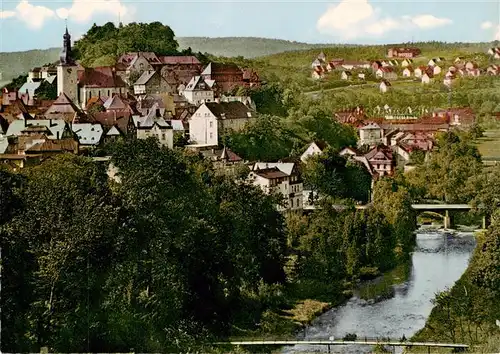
332	175
101	45
150	261
444	175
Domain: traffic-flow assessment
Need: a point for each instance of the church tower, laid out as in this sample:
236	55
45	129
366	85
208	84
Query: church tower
67	76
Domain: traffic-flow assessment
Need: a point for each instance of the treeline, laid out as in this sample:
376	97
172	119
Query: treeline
155	262
357	244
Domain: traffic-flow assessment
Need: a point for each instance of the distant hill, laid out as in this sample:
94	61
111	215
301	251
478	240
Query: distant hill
16	63
248	47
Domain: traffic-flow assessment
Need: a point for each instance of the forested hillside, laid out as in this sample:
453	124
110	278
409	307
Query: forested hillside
248	47
16	63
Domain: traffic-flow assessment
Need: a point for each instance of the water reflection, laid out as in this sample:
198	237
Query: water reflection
399	303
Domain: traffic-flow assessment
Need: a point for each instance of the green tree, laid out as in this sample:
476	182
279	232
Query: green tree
102	44
68	253
334	176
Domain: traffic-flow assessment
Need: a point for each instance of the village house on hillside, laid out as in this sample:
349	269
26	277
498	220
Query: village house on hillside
199	90
386	73
151	82
370	134
406	52
384	86
283	178
494	52
315	148
227	76
212	119
154	125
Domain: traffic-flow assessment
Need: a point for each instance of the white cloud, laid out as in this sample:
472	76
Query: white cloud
430	21
358	18
7	14
486	25
82	11
33	15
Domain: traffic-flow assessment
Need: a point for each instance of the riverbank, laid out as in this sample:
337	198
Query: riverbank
307	300
467	312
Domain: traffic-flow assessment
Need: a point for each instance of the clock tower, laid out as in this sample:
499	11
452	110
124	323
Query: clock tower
67	76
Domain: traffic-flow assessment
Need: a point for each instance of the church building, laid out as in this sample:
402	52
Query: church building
80	84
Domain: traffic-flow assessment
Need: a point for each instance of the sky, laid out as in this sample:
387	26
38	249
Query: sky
38	24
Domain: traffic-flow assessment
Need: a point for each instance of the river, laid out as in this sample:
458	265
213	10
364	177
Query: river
398	303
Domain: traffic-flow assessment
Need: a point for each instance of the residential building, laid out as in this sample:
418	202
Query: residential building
179	69
318	73
212	119
384	86
436	70
407	71
199	90
281	178
151	82
406	62
55	129
407	52
427	78
381	160
346	75
88	134
153	125
64	108
227	76
116	124
494	52
387	73
370	134
315	148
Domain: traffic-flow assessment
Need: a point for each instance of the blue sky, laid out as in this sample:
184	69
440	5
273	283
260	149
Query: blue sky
30	24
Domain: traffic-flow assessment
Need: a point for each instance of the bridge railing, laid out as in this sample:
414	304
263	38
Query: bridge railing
281	338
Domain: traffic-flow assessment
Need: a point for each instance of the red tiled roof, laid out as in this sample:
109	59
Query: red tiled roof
120	119
100	77
172	60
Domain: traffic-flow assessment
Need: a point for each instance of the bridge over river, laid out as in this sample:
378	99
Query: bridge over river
435	208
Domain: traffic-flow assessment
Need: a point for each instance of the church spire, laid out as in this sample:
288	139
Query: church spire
66	57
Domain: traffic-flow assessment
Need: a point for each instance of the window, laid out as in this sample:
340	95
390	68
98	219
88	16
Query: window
211	124
291	203
162	136
108	93
211	135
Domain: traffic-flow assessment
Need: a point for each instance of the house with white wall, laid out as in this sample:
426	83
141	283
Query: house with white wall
283	178
315	148
212	119
153	125
199	90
